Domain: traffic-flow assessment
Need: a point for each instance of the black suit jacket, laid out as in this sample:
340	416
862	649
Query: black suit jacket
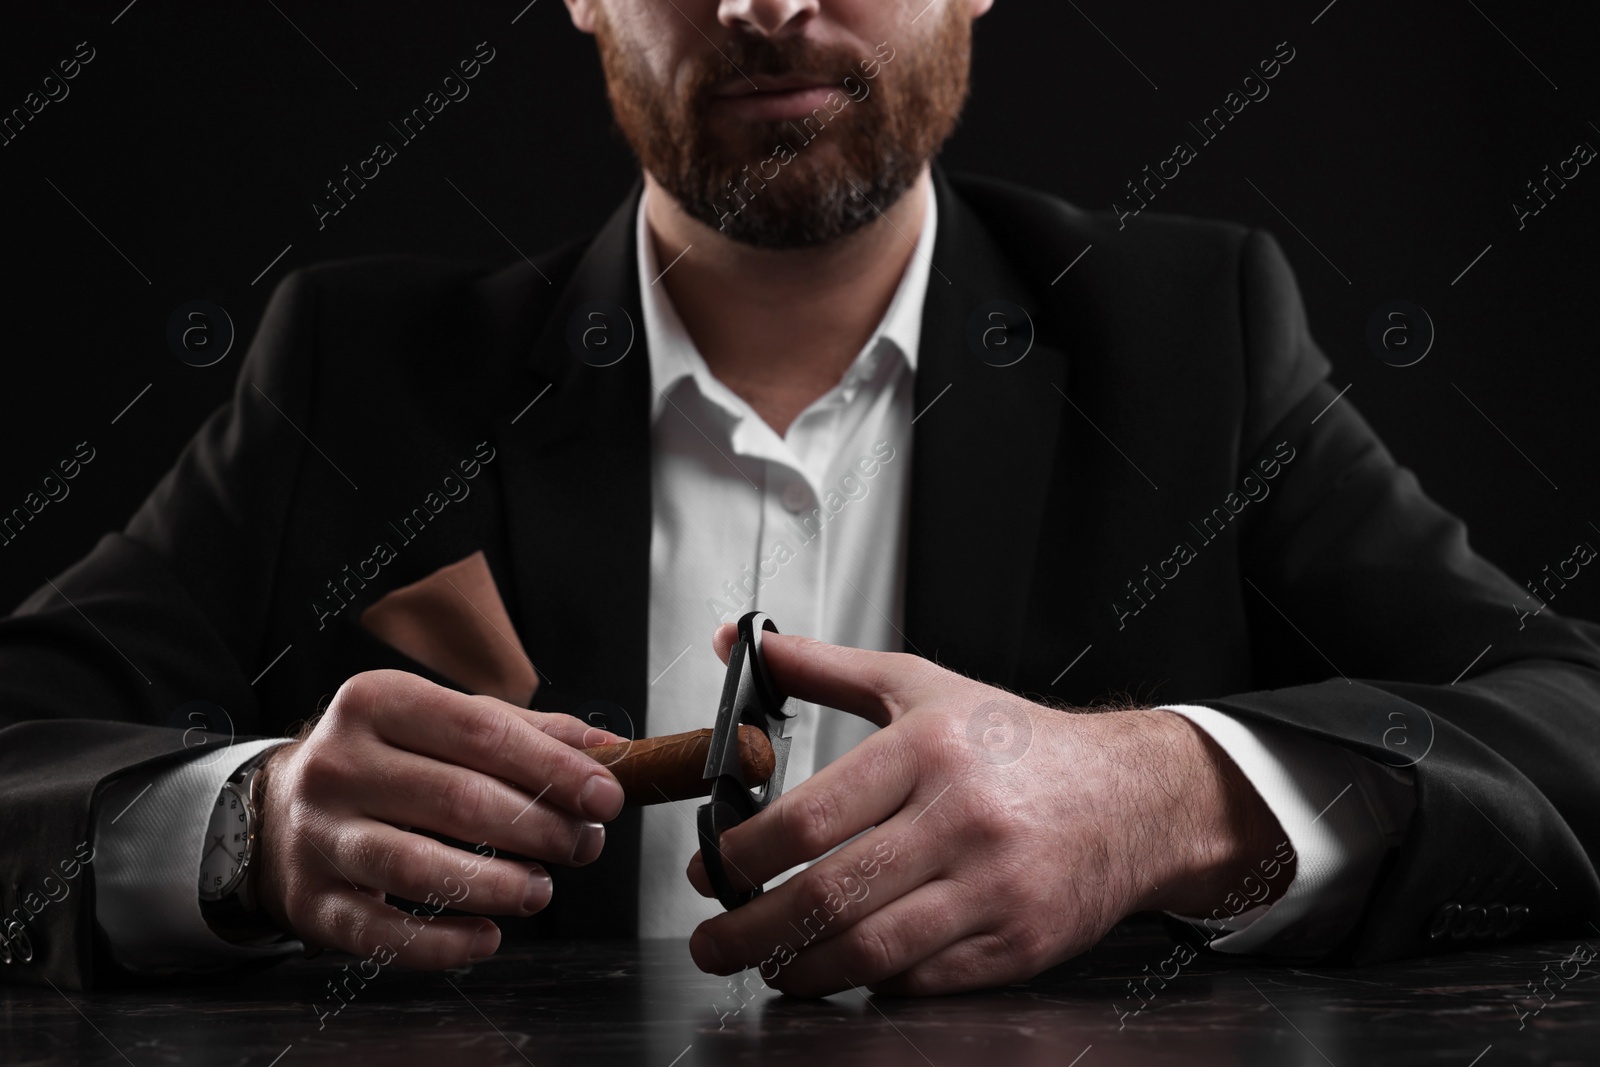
1049	500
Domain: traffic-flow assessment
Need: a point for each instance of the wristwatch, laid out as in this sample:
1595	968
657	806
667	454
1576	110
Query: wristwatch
230	862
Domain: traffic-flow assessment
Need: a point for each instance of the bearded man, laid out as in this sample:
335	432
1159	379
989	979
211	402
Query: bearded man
1096	597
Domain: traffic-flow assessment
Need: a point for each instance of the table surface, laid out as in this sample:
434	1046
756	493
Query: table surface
604	1002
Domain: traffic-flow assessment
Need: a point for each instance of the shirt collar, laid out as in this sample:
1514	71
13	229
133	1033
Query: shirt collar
673	355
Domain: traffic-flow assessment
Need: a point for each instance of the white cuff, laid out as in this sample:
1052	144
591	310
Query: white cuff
148	837
1341	813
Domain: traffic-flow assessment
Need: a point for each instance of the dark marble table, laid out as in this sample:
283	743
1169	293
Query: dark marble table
645	1003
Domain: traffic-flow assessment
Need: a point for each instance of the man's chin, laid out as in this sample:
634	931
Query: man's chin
776	198
805	217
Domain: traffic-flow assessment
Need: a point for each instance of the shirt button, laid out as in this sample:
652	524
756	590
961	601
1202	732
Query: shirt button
797	496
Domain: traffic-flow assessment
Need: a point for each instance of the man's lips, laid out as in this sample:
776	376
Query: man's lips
772	98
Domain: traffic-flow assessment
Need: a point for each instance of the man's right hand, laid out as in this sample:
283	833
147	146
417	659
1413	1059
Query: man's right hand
393	751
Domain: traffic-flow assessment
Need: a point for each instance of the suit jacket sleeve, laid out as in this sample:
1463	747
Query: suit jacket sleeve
1375	626
96	664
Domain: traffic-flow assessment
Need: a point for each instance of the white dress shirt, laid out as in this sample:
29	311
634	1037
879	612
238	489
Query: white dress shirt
811	528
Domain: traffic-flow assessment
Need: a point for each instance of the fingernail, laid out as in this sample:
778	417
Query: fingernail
484	944
539	890
590	838
601	797
595	736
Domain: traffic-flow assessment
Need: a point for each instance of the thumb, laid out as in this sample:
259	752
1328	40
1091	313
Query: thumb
722	640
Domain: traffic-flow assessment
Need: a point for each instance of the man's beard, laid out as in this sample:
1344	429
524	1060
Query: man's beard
760	181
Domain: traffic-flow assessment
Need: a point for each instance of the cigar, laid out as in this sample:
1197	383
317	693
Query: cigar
657	769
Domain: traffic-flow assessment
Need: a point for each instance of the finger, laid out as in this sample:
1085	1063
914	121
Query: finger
568	729
878	686
416	867
823	902
489	735
887	942
978	961
860	789
350	920
406	789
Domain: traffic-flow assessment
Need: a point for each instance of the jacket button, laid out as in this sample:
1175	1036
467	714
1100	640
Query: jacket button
1442	920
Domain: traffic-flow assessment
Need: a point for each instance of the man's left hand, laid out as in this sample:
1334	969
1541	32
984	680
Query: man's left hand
998	836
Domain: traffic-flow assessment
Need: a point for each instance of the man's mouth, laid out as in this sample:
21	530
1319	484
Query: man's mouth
773	98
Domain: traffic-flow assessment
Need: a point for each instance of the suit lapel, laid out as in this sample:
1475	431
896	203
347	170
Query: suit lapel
576	476
982	455
574	472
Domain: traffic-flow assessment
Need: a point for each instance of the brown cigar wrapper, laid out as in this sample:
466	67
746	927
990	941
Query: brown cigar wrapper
657	769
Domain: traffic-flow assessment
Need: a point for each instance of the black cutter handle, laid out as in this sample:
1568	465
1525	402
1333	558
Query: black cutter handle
749	697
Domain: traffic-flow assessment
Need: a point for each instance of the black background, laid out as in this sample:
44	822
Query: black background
1396	142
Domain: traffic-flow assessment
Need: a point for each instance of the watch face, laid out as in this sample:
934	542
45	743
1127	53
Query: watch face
227	842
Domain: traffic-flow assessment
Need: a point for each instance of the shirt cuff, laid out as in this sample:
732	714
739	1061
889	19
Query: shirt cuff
149	834
1341	812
